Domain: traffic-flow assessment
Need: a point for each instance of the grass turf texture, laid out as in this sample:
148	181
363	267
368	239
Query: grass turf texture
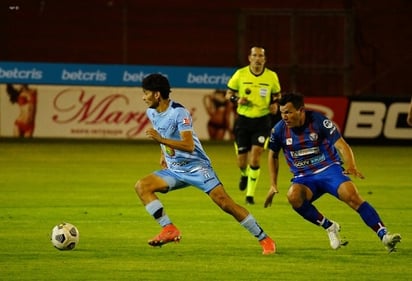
90	184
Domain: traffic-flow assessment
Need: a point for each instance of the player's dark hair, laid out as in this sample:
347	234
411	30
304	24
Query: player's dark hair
157	82
295	98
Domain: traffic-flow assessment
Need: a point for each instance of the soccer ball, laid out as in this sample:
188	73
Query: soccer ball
64	236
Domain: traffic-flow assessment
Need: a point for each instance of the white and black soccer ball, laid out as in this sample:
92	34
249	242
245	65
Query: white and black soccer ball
64	236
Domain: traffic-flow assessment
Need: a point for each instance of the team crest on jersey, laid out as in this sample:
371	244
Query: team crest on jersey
313	136
289	141
327	124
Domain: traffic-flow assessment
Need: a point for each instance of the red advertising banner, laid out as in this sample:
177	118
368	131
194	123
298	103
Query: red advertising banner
334	108
89	112
65	111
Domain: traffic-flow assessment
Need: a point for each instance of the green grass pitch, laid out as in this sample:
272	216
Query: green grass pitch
90	184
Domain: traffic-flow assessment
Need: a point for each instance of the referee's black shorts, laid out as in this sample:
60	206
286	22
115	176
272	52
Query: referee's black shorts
251	131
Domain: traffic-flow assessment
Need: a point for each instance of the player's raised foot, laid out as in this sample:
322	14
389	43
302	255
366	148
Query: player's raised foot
243	183
334	237
268	246
390	241
168	234
250	200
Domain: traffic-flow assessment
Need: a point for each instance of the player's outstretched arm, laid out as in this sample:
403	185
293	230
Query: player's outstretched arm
348	158
273	166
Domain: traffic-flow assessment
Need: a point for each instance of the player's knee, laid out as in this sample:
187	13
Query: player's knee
349	194
295	197
354	200
140	187
137	186
293	201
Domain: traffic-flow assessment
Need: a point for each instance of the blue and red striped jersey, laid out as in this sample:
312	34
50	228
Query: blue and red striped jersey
310	148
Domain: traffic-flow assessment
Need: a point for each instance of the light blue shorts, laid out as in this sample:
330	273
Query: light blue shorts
203	178
327	181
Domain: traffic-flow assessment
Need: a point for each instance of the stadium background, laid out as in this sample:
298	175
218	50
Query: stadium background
320	47
356	49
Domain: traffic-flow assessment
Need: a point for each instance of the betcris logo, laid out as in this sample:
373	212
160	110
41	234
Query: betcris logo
137	77
207	79
83	76
17	73
129	76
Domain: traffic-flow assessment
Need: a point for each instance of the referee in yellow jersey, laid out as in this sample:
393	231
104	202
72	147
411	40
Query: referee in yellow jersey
254	90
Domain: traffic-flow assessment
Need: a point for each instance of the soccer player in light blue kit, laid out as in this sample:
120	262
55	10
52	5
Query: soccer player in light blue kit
184	163
312	146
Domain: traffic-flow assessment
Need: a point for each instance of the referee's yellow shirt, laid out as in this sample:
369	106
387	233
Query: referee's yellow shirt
257	89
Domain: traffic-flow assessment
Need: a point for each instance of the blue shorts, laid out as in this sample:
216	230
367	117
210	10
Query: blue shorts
327	181
203	178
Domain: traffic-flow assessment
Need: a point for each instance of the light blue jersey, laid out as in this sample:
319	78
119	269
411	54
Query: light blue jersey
184	168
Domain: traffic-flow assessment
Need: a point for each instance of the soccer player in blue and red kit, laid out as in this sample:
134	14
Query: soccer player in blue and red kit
312	146
183	163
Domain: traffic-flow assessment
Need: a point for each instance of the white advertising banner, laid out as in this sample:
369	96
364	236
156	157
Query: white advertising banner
61	111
